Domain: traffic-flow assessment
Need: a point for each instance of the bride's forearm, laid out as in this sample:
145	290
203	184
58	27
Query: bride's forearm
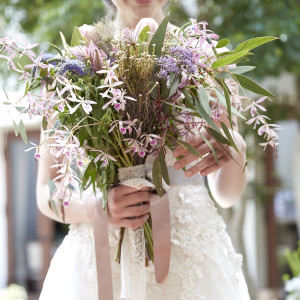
77	212
228	183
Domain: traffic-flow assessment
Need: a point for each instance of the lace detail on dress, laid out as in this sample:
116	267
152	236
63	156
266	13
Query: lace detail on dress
202	259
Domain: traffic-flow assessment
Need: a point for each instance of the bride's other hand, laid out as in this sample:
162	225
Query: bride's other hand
208	164
124	209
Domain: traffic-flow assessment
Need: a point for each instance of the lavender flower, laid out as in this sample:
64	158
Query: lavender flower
47	56
168	65
74	66
185	58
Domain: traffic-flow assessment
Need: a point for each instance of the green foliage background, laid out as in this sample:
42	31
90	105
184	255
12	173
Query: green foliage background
237	20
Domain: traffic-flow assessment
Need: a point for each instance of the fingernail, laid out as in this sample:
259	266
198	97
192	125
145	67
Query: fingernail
188	173
177	166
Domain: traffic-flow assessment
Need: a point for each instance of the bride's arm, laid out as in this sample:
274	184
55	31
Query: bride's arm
227	183
76	212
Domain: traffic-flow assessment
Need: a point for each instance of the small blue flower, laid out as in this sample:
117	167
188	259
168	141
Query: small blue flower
74	66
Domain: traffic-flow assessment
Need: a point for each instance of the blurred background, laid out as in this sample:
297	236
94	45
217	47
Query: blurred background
263	225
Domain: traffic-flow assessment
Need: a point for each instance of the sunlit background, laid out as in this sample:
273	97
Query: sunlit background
266	221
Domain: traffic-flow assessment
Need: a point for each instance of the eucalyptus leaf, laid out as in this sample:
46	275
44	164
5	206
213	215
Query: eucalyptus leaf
76	37
56	48
144	34
229	137
252	86
203	98
208	143
16	128
44	123
64	42
158	37
174	86
164	168
253	43
218	136
23	132
228	59
157	176
228	102
236	70
223	43
189	147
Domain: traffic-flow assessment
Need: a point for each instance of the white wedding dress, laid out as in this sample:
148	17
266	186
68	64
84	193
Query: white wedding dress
203	266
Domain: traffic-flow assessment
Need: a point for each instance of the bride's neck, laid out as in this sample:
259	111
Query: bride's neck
124	21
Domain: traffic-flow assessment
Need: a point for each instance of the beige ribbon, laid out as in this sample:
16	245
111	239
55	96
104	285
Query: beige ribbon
161	242
103	262
161	230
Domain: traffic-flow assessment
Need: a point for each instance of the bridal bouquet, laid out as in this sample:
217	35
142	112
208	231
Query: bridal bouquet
113	97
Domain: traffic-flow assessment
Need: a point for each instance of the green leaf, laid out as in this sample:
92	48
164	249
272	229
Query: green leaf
174	86
56	48
157	176
228	102
44	123
23	132
16	128
159	37
236	70
76	37
202	113
223	43
64	42
203	98
210	147
229	137
164	168
228	59
53	206
252	86
218	136
189	147
253	43
6	103
144	35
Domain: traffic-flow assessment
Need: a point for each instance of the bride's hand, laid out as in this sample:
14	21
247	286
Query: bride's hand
123	208
208	164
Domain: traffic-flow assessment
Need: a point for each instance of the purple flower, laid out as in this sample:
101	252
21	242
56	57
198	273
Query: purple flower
74	66
47	56
168	65
185	58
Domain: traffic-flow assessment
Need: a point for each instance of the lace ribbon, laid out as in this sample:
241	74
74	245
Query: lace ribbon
133	270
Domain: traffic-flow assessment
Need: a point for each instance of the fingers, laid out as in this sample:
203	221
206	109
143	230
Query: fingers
136	223
135	211
209	164
126	190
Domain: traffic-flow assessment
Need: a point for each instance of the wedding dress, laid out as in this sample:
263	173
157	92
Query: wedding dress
203	265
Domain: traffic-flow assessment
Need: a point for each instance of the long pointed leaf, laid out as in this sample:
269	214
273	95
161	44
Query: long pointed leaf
164	168
189	147
159	37
252	86
157	177
210	147
229	137
217	136
76	37
253	43
228	102
202	96
229	59
23	132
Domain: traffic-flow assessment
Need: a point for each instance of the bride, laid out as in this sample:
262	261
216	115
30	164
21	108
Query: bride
204	265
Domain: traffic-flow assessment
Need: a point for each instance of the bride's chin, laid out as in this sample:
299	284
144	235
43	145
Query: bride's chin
143	2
